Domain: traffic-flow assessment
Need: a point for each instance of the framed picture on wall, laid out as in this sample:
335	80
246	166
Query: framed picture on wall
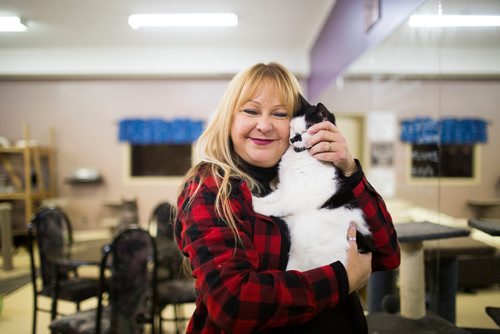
371	10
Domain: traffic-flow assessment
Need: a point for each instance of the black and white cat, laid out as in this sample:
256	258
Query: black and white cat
312	199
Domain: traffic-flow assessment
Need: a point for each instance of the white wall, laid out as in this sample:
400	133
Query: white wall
85	115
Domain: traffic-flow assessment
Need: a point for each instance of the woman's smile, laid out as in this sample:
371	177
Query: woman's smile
259	141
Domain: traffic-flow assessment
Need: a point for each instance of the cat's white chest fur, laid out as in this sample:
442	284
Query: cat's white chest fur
305	184
317	236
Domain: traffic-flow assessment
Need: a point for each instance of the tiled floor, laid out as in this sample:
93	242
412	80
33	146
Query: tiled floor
17	311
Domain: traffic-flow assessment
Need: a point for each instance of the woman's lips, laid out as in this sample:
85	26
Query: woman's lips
259	141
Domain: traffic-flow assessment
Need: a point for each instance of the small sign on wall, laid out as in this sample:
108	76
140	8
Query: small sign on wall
371	10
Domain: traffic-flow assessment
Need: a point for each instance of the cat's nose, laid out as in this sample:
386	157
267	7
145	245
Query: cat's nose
296	138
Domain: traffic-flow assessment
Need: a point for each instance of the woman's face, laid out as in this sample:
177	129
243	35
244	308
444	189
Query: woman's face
260	129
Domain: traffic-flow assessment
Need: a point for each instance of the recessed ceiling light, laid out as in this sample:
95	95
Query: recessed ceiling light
137	21
12	23
454	21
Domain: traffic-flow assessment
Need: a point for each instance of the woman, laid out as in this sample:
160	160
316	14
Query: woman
238	257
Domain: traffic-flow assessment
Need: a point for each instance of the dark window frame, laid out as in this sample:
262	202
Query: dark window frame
444	161
158	160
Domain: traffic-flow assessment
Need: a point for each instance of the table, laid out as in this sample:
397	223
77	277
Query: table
491	227
442	264
80	253
85	253
481	205
385	323
411	272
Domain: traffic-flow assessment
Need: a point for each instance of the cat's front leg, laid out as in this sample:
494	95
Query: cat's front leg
269	205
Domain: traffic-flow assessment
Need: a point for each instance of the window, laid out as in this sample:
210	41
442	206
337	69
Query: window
449	160
160	160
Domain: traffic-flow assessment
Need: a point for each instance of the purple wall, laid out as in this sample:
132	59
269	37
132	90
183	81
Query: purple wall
343	38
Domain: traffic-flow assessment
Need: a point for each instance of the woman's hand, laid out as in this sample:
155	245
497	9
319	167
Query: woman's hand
328	144
359	266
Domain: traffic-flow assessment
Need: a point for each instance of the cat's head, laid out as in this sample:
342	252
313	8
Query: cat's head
305	117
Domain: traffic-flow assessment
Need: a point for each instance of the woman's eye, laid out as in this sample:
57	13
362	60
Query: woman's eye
250	111
281	114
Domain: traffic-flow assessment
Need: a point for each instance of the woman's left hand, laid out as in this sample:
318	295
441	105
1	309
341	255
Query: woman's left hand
328	144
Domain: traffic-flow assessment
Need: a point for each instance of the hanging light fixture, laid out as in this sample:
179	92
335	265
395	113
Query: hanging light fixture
137	21
454	21
12	23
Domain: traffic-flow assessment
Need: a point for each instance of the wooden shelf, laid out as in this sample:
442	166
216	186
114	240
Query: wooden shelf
19	150
73	181
20	174
21	195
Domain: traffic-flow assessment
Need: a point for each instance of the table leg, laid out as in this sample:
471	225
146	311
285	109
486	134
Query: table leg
412	280
380	285
443	281
6	232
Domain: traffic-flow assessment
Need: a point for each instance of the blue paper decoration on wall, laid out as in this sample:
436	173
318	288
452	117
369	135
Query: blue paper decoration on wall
444	131
159	131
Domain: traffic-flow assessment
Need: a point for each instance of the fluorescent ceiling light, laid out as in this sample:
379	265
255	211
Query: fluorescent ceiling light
12	23
137	21
454	21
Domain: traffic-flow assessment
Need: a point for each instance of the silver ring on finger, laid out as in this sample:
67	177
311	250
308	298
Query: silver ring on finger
330	146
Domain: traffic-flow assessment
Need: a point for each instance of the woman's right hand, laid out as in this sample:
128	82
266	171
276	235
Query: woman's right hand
358	266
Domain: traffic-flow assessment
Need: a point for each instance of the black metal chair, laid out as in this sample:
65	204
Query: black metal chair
169	258
50	229
173	287
131	259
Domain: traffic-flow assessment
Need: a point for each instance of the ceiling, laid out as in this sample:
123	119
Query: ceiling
466	52
92	36
68	38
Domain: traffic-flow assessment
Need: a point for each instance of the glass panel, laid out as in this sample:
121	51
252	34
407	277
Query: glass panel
443	75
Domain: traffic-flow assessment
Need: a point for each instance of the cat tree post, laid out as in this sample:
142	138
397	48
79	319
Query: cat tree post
411	271
412	280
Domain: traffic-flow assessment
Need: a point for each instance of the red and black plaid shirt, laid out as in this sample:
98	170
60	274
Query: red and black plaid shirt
242	287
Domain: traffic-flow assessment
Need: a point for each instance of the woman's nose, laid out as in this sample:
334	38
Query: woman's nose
264	124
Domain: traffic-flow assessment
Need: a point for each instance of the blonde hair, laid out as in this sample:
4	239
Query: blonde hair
214	145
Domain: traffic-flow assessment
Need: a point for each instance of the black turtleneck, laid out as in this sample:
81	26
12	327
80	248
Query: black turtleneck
263	175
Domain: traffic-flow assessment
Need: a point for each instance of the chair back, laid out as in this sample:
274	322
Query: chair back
131	257
162	229
160	223
51	228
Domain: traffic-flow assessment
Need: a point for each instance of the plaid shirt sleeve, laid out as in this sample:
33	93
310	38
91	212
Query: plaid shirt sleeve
235	294
387	253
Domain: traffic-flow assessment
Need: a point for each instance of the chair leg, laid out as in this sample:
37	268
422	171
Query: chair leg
35	310
176	319
160	329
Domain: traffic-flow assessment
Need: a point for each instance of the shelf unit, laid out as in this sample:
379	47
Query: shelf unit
32	164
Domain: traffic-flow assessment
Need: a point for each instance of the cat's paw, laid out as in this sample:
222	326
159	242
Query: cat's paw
266	207
259	205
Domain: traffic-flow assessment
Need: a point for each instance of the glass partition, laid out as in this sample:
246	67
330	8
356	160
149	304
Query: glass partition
421	110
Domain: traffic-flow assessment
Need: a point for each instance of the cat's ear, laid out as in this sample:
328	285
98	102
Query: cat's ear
303	106
303	102
325	114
